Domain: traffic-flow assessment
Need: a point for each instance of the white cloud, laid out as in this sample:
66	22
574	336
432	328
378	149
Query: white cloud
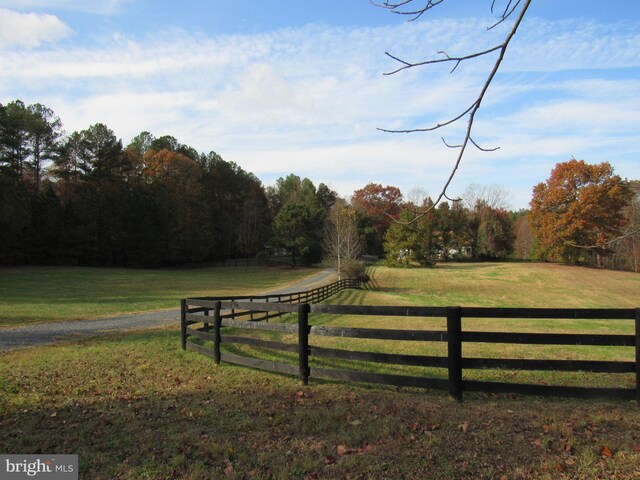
547	46
29	29
125	112
308	100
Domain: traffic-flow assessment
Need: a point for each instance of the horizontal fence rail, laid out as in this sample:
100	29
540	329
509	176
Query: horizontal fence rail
205	318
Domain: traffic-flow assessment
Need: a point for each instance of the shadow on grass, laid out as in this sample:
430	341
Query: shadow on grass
136	406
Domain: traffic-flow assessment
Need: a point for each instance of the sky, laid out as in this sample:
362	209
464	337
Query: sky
297	86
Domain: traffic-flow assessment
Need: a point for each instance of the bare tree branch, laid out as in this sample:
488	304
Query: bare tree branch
602	245
446	58
430	129
395	7
475	106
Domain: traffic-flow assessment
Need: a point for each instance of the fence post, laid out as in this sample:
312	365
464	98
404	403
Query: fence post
638	355
454	344
217	323
303	342
183	322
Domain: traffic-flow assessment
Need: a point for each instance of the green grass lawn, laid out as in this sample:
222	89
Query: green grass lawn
136	406
47	294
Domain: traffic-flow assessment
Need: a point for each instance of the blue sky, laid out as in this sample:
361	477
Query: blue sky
297	86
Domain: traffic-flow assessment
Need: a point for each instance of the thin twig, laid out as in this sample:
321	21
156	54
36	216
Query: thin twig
482	149
447	58
394	7
430	129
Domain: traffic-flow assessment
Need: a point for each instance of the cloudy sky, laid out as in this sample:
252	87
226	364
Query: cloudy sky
293	86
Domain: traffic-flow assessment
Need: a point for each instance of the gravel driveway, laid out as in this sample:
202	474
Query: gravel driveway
44	333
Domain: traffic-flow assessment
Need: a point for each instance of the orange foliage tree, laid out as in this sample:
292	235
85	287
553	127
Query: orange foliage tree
379	206
578	211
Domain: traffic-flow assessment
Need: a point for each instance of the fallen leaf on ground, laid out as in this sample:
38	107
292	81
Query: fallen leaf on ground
342	449
606	452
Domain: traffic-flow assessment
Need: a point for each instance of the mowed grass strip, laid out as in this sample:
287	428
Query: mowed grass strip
136	406
47	294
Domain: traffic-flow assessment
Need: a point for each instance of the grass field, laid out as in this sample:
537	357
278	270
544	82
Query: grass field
136	406
507	285
486	284
46	294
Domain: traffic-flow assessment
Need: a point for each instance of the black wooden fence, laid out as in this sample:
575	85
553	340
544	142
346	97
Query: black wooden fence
225	314
314	295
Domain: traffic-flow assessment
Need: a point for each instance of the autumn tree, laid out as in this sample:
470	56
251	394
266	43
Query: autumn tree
342	243
578	210
378	207
179	189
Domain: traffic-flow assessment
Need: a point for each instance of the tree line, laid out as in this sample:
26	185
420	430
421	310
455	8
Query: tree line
86	199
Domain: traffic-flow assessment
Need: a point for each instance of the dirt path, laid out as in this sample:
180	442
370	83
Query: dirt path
45	333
